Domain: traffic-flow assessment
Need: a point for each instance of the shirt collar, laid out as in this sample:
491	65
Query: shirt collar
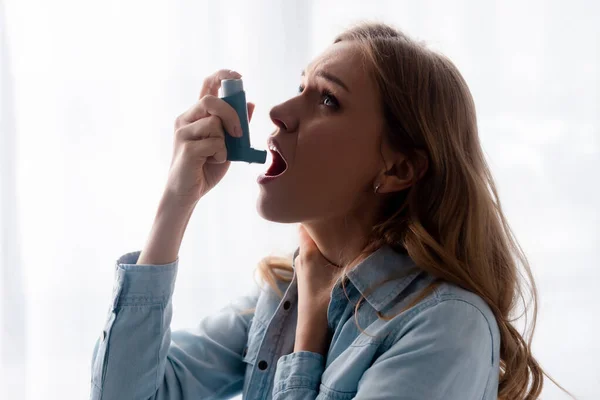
382	276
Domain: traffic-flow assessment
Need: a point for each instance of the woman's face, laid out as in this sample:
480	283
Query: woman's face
329	135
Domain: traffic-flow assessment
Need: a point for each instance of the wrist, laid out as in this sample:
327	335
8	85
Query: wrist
176	206
312	332
313	344
166	235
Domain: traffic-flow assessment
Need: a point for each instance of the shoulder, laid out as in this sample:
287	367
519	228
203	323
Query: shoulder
451	317
445	346
448	292
465	304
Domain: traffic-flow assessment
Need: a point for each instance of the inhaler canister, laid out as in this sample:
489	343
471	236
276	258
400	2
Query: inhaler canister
238	149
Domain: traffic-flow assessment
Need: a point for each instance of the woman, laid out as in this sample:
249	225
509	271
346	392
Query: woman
406	273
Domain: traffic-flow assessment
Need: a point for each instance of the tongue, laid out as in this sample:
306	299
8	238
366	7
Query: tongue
277	167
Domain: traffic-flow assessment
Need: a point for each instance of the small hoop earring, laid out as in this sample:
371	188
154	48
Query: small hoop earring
377	187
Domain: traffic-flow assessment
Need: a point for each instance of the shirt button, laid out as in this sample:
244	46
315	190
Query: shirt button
286	305
262	365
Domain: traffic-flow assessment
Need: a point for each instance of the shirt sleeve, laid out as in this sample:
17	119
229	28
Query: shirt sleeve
298	376
138	357
444	352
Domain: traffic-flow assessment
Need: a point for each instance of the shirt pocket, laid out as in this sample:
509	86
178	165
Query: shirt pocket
326	393
256	334
255	337
99	367
342	374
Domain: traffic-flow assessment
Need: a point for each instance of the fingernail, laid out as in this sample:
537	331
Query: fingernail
238	131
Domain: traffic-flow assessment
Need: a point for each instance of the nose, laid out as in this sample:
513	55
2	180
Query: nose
280	124
284	117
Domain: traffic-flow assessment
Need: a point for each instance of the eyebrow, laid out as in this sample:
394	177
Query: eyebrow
329	77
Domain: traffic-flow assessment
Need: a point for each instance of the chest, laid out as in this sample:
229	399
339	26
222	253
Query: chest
357	341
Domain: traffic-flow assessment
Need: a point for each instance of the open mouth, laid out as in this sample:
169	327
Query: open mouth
279	165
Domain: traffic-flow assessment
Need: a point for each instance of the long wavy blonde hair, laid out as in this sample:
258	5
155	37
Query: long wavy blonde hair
450	222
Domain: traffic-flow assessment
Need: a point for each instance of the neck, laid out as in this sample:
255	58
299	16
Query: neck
340	239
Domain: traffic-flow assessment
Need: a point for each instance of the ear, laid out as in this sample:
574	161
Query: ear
404	172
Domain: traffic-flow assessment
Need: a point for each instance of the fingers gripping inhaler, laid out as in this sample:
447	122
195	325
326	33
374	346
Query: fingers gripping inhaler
238	149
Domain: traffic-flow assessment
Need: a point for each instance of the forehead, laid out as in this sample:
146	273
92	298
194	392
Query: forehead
344	60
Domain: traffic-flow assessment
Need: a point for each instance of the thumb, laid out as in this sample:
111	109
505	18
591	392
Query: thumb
308	247
250	110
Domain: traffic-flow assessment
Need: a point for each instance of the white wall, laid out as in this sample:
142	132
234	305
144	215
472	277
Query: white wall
90	90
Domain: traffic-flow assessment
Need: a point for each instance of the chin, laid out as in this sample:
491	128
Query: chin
276	211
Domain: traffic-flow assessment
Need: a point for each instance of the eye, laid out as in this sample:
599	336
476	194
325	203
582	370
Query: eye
328	98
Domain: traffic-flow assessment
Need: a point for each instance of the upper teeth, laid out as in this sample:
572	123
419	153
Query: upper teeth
271	147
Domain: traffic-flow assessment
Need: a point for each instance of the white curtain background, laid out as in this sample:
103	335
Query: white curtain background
89	94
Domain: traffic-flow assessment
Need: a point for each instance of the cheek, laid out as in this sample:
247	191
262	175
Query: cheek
340	157
330	168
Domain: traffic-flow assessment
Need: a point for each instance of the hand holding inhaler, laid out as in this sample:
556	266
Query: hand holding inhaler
211	134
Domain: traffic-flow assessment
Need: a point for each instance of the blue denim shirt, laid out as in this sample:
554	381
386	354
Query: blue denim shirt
444	347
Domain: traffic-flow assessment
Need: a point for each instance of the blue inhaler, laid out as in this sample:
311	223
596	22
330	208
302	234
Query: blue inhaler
238	149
